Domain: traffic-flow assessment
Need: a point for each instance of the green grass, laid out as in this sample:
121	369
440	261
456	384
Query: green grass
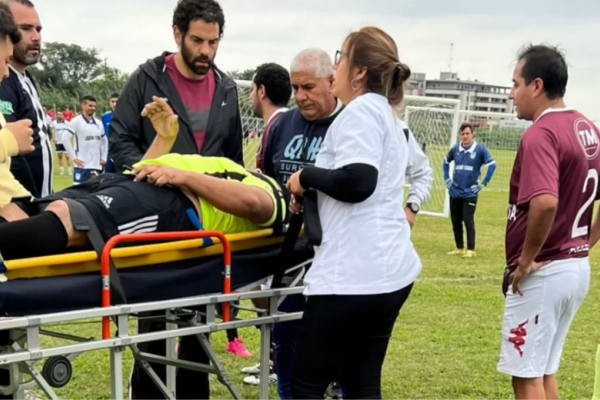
447	339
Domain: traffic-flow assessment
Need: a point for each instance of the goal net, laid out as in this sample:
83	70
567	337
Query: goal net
433	121
501	134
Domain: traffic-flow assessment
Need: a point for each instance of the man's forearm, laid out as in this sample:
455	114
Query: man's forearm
243	201
69	148
159	147
542	210
104	148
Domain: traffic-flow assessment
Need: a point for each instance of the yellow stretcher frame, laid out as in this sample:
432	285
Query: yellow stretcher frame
136	256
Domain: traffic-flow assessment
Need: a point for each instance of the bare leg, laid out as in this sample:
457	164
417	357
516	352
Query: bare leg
60	161
68	163
76	238
528	388
12	212
47	233
551	387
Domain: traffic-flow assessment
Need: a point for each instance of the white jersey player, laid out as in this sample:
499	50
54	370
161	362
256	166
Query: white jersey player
62	133
91	145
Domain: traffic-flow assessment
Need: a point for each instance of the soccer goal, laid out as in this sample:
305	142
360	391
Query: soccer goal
433	121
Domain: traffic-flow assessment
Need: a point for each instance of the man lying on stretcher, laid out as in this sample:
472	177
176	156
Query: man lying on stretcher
164	193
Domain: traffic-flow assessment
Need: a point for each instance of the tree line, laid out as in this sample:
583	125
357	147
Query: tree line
67	72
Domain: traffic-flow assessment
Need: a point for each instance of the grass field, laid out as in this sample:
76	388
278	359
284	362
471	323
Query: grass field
446	341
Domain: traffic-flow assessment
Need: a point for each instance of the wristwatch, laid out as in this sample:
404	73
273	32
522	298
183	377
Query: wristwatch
414	207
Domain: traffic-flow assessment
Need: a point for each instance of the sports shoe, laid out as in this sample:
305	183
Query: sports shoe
333	391
255	369
456	252
238	349
254	380
469	254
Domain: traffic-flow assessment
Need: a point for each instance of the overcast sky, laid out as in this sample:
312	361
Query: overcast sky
486	34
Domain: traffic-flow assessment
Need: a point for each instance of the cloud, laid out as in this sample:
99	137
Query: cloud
486	35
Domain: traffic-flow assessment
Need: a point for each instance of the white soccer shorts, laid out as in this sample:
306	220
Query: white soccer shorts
535	325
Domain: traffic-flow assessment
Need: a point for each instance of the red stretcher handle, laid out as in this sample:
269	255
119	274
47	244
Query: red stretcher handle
149	237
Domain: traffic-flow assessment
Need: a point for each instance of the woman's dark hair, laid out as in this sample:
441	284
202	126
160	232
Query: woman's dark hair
8	28
375	50
208	11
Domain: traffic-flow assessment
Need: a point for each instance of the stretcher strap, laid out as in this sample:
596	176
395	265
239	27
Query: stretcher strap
206	242
83	221
286	256
278	225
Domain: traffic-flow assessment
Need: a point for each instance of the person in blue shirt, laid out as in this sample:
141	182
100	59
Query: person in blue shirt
464	187
106	118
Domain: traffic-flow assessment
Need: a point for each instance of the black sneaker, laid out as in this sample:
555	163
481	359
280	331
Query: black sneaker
333	391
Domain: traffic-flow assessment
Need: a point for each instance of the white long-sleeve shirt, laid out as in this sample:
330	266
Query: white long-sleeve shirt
91	144
418	171
62	131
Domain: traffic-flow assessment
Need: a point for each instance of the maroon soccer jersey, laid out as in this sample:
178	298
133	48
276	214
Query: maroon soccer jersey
260	156
197	95
558	155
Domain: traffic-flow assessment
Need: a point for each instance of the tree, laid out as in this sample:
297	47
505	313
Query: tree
67	72
71	63
245	75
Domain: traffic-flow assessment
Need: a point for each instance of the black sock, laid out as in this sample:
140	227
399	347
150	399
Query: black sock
41	235
2	220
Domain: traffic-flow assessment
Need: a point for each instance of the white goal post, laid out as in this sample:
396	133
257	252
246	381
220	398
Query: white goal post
433	121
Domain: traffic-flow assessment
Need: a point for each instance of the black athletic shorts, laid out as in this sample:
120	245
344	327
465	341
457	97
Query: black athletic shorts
119	205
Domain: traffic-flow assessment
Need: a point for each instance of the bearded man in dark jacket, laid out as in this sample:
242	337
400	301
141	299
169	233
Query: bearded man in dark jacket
203	97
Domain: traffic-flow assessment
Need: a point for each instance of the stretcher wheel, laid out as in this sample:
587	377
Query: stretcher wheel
57	371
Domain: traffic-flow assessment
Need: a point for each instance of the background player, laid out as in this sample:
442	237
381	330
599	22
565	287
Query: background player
62	133
552	189
468	157
106	118
90	142
270	94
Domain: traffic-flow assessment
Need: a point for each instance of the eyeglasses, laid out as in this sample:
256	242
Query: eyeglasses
338	57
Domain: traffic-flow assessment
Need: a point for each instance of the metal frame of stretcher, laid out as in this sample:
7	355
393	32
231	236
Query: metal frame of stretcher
57	369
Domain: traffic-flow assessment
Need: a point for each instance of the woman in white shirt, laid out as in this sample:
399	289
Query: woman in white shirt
365	264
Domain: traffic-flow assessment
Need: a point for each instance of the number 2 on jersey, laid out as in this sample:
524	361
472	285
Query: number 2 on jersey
583	230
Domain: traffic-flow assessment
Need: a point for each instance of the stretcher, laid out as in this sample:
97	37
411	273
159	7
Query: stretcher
175	277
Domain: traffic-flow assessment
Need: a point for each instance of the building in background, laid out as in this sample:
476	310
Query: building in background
473	95
416	84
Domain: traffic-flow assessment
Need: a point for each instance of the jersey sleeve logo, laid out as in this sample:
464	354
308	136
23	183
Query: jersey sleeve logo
6	107
588	138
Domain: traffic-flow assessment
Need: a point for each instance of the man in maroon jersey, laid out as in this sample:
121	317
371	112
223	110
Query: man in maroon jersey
553	186
270	95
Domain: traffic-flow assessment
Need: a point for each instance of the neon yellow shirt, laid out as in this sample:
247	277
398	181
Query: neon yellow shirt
9	186
212	217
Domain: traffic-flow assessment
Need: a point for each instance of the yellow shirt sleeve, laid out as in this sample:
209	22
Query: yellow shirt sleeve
255	182
9	186
8	145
